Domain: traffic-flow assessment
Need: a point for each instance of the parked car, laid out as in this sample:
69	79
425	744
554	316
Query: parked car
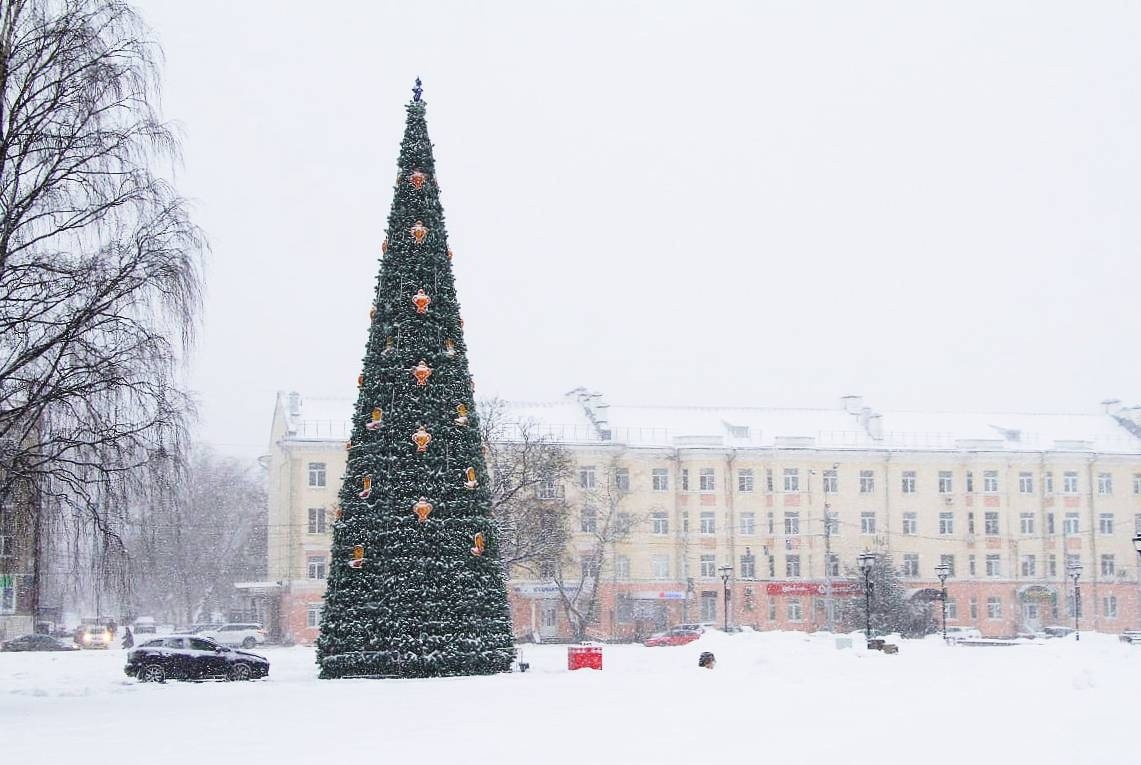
93	636
1133	637
190	657
145	625
1057	631
673	636
38	643
247	634
956	633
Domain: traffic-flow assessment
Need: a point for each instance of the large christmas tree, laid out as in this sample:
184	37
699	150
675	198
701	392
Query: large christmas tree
416	587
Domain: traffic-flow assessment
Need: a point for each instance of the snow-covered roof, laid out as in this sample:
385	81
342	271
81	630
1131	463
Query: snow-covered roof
582	418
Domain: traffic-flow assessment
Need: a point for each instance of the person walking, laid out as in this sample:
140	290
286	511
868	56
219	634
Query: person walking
707	660
128	639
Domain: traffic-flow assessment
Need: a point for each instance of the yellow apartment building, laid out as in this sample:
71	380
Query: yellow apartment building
775	505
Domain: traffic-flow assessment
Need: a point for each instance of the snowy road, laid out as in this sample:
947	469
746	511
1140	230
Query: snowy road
784	695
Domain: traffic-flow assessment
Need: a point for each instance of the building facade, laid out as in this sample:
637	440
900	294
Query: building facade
672	507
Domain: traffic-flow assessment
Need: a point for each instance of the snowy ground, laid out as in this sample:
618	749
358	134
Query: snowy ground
773	695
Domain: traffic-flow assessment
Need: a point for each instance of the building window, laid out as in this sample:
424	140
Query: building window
316	520
910	565
990	524
949	562
708	606
621	567
1105	484
588	567
1025	483
660	566
1108	565
1072	559
1105	523
1109	606
832	564
1070	482
946	523
792	566
795	610
660	479
589	517
791	523
1050	523
1071	525
970	482
1029	565
791	480
622	479
769	523
748	524
1051	565
745	480
708	524
945	482
547	489
1026	523
708	566
313	615
973	608
952	610
7	598
685	479
317	475
971	570
867	482
910	524
994	565
1137	483
1047	483
769	480
748	566
7	545
831	524
971	523
586	478
659	523
772	610
316	568
908	482
546	569
990	481
832	482
1137	524
867	523
623	523
994	608
705	477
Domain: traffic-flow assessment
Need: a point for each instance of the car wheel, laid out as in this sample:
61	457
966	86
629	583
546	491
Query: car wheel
240	672
249	643
152	673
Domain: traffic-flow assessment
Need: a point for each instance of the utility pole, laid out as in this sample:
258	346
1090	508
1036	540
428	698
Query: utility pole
828	567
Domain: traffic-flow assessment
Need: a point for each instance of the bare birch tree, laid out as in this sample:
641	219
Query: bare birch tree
99	263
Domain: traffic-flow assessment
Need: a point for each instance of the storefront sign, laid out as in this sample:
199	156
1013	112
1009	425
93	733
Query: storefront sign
660	595
839	588
543	591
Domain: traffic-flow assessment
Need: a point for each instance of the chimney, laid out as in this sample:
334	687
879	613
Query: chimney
852	404
875	425
295	404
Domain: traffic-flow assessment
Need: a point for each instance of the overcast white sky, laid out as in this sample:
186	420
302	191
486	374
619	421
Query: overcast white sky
935	205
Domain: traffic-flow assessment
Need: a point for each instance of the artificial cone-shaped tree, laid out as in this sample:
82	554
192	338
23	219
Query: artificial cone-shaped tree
415	583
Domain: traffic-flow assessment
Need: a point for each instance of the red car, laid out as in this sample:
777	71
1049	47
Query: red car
675	636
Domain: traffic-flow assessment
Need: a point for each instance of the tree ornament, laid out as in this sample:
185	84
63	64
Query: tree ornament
449	348
337	512
421	301
388	348
384	246
372	312
422	372
367	490
449	253
419	231
375	421
417	178
358	557
348	445
421	438
478	544
360	380
422	508
461	411
469	474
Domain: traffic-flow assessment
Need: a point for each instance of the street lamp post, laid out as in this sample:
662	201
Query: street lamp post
726	572
1137	547
1075	570
943	571
867	561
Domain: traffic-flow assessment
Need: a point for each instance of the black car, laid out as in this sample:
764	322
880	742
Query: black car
187	657
38	643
